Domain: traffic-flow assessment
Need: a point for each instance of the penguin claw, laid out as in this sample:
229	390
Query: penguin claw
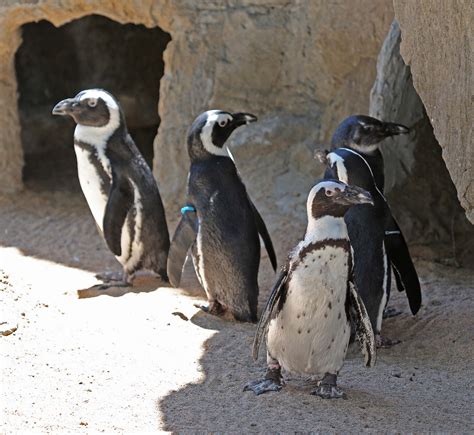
262	386
391	312
326	391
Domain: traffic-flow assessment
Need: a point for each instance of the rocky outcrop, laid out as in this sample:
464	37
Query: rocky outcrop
437	43
300	66
418	186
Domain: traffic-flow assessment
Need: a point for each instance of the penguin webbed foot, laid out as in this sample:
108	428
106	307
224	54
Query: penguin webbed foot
113	284
262	386
385	342
214	308
328	389
109	276
391	312
271	382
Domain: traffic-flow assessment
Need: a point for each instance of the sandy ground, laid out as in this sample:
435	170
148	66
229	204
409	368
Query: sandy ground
149	360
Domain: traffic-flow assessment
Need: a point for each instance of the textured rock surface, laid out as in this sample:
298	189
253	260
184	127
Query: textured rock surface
418	185
437	42
271	57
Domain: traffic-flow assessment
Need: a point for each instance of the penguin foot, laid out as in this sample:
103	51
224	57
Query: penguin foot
112	284
327	388
272	382
214	308
385	342
391	312
109	276
326	391
263	386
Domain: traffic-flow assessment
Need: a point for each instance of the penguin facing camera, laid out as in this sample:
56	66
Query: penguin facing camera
220	224
118	185
315	302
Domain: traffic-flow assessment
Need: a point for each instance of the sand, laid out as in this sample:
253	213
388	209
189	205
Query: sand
149	360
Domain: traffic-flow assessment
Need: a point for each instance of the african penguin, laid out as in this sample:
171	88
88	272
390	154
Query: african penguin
219	222
374	249
118	185
364	134
308	317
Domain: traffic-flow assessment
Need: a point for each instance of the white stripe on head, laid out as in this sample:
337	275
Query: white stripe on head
98	136
335	159
213	117
326	184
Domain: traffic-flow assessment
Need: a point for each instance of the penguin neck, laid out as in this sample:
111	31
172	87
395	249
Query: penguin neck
99	136
369	150
198	152
326	227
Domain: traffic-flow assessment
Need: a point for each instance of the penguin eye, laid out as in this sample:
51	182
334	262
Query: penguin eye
222	122
329	193
92	102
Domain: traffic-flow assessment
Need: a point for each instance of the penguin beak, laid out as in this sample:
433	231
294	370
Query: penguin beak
239	119
64	107
353	195
392	129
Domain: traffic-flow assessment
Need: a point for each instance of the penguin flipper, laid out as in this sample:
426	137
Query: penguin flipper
363	328
183	238
262	230
118	205
402	265
277	291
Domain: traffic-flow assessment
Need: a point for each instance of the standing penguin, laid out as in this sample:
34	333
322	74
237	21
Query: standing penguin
220	222
314	302
374	247
118	184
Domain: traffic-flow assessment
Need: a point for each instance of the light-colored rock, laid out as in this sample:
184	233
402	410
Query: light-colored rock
437	43
418	185
282	60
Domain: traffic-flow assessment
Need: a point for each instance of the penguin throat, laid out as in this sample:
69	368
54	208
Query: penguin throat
326	227
364	149
98	136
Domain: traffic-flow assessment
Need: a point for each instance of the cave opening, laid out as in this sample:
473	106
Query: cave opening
54	63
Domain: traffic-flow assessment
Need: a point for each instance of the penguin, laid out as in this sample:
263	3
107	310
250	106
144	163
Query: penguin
219	222
315	302
363	134
118	185
374	249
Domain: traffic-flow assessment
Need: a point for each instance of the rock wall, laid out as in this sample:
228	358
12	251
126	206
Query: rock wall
437	43
418	186
300	66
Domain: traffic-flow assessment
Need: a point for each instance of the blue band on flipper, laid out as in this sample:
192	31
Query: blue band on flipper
187	208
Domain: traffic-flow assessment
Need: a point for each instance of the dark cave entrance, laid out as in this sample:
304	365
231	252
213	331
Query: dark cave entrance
92	52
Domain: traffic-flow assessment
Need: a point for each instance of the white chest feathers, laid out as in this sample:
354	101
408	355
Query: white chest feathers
94	177
311	333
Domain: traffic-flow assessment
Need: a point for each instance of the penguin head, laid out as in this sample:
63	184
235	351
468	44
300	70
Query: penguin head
364	133
211	129
96	112
334	198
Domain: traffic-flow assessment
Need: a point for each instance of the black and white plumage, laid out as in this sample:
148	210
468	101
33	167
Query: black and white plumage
363	134
376	239
117	183
308	317
220	224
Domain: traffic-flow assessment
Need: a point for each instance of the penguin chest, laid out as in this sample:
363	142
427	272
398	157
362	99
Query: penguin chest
94	177
310	334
